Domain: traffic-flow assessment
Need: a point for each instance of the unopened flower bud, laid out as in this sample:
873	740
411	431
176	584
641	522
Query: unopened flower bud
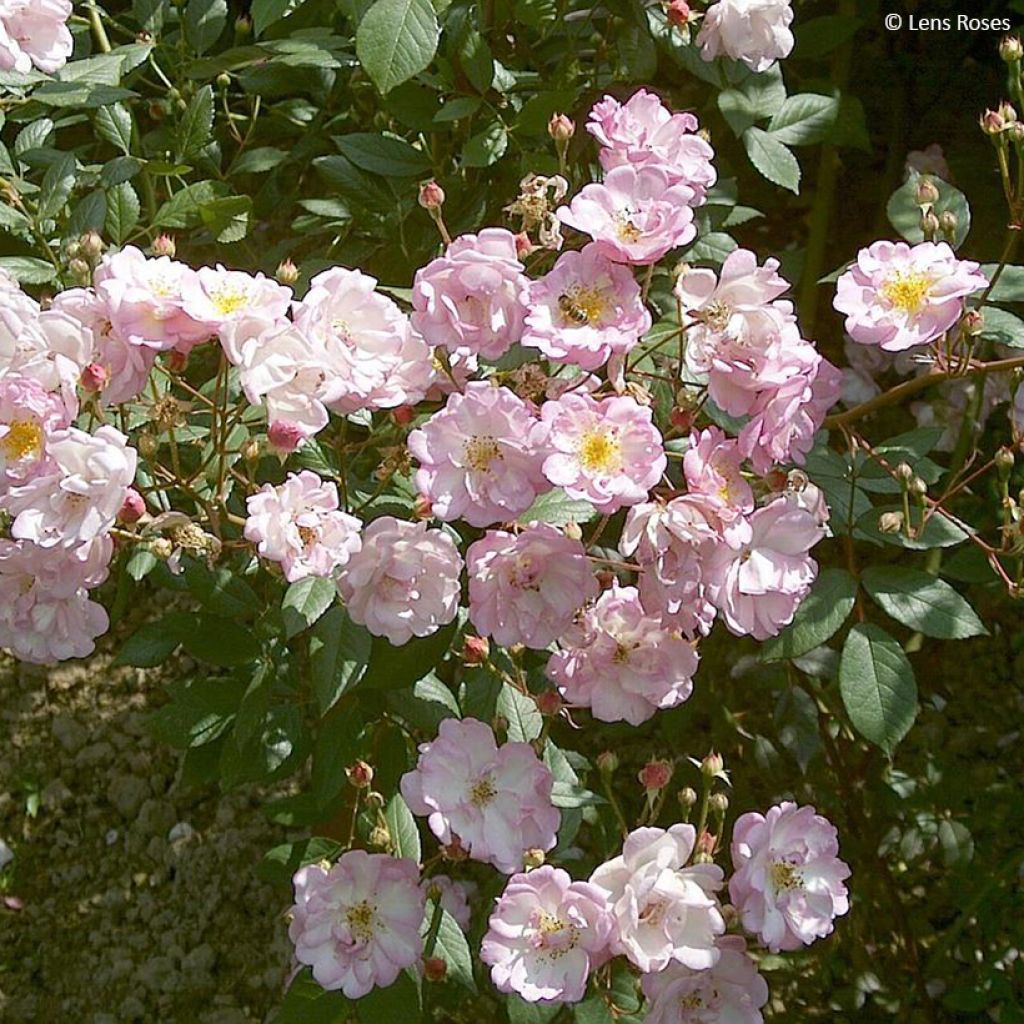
475	650
432	196
533	858
223	81
1004	460
572	530
403	415
92	245
797	480
681	419
454	851
523	245
73	250
549	702
1010	49
973	323
719	803
992	122
678	13
607	762
948	223
164	245
918	487
434	968
380	837
713	766
251	450
375	801
655	775
287	273
1015	132
177	362
929	224
925	194
359	775
1007	113
284	436
243	26
706	847
147	446
561	128
890	522
94	378
80	271
776	480
904	473
606	579
133	508
423	507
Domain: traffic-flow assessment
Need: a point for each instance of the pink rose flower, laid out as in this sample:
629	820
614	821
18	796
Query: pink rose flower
144	299
621	662
299	524
730	992
635	216
478	460
34	33
219	298
52	348
29	415
370	357
81	492
357	922
713	467
45	611
753	31
664	911
404	580
759	586
607	452
471	299
643	132
898	296
526	588
545	936
585	309
788	879
496	801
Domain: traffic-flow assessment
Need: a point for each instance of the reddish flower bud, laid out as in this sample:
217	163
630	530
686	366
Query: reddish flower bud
682	419
678	13
475	650
164	245
403	415
134	507
523	245
454	851
359	774
434	968
606	579
284	436
549	702
655	775
287	273
431	196
422	508
177	361
561	128
94	378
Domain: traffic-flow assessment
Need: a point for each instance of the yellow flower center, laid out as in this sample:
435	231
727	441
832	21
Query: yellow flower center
23	438
693	1001
309	535
483	791
785	876
907	291
481	451
600	452
716	315
581	306
229	300
360	921
627	230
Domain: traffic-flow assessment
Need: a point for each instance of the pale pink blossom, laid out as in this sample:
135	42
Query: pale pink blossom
635	216
756	32
46	614
788	879
664	911
545	936
898	296
472	299
81	492
643	132
144	299
496	801
357	922
730	992
404	580
299	524
369	355
29	415
758	587
621	662
34	33
52	348
218	298
713	467
584	309
608	452
526	588
454	895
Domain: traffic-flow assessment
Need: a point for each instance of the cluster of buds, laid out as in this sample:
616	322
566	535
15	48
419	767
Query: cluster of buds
934	224
83	255
538	197
1002	123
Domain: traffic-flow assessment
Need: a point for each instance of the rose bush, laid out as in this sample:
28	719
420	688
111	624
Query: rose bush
455	547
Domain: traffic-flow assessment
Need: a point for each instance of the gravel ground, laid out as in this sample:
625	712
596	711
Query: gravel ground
128	899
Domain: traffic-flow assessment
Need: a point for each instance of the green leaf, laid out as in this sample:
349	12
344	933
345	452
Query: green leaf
114	123
228	217
339	652
772	159
383	154
557	508
392	668
938	532
396	40
400	1003
204	21
756	98
280	864
184	208
905	215
28	269
486	147
477	61
305	601
522	1012
198	713
307	1002
818	618
1003	328
1008	288
336	747
405	835
222	591
922	602
593	1010
816	37
877	684
219	641
267	12
451	946
457	108
122	211
154	642
259	160
57	184
804	119
525	721
712	247
196	126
